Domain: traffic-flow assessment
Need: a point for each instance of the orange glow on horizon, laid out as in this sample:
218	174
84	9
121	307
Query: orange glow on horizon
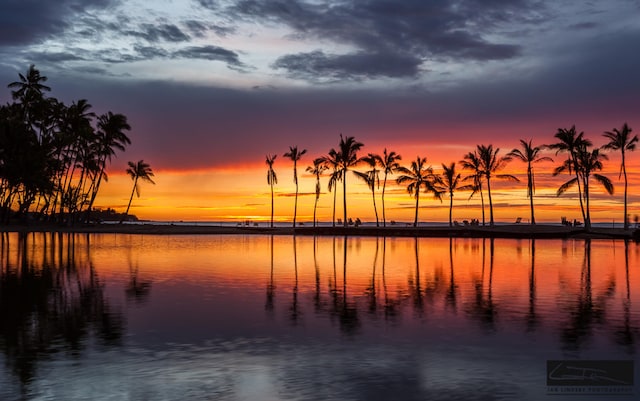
240	192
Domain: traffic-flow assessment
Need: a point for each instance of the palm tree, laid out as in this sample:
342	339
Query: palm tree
317	169
372	178
347	157
621	140
529	154
570	142
472	162
586	163
449	181
272	179
416	177
294	154
389	164
331	161
491	164
137	171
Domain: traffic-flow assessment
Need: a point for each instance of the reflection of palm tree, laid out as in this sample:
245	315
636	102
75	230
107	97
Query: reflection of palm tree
294	154
417	291
389	164
471	161
532	319
137	290
272	178
270	285
626	334
491	164
621	140
389	304
416	177
317	169
529	154
373	302
295	309
137	171
349	322
317	300
371	178
347	158
451	293
450	181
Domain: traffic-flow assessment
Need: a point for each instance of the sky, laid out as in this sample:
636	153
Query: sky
211	87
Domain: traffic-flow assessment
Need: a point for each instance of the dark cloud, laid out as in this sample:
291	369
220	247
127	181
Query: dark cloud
155	33
213	53
318	66
405	32
24	22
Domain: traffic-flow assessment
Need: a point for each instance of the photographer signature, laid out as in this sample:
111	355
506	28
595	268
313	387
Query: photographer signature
582	374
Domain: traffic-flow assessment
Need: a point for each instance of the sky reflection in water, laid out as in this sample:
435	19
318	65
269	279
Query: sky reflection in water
284	318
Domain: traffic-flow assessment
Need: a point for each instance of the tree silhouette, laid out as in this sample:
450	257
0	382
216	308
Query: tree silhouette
529	154
294	154
389	164
347	157
491	164
450	181
621	140
332	162
570	142
415	178
137	171
586	163
272	179
317	169
371	178
472	162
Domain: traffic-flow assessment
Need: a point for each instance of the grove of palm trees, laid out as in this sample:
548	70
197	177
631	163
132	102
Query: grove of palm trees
476	173
53	156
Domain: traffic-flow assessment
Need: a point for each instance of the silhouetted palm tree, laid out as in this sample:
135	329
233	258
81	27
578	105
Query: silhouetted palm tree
471	161
138	171
317	169
371	178
449	181
529	154
294	154
491	164
570	142
389	164
347	158
586	163
621	140
272	179
415	178
331	162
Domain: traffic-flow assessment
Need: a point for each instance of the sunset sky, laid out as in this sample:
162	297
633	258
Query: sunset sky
211	87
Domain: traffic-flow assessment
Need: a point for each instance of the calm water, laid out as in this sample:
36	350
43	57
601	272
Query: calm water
125	317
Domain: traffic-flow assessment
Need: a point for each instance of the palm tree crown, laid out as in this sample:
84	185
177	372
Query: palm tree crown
347	157
317	169
416	177
491	164
450	181
389	164
371	178
138	171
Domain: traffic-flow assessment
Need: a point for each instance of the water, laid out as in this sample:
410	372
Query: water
132	317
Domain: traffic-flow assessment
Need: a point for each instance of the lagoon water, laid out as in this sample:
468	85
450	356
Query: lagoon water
132	317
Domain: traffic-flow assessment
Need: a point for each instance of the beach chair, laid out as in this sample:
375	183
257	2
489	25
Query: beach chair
519	220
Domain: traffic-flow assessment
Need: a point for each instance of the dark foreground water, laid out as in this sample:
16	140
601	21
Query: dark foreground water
125	317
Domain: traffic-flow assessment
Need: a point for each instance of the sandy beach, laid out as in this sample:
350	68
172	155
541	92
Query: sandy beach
541	231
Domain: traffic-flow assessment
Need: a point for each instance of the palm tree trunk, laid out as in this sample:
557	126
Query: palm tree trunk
344	197
482	203
530	190
587	220
490	202
333	218
584	215
315	206
271	205
451	209
295	206
126	213
624	172
415	219
375	209
384	186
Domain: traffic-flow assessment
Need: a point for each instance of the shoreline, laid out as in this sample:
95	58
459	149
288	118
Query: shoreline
516	231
